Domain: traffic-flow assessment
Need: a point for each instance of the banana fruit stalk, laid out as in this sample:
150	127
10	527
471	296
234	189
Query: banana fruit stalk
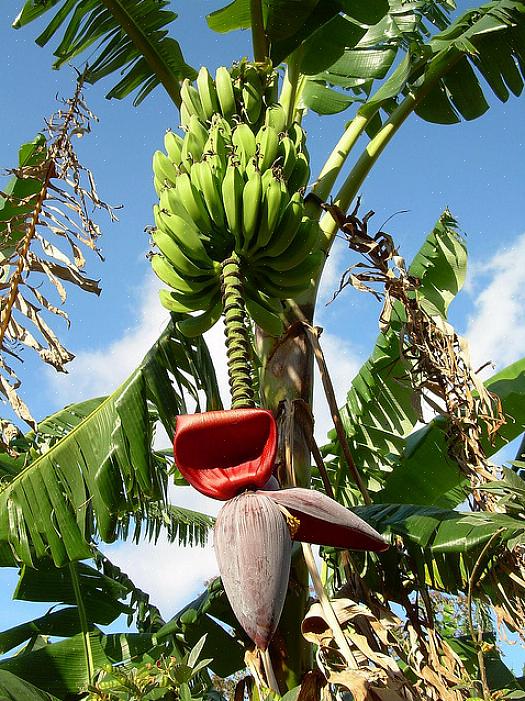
253	538
232	185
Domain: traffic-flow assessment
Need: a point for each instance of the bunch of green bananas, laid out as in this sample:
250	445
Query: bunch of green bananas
232	185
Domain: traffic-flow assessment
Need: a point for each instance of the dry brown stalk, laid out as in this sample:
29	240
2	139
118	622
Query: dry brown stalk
59	207
439	366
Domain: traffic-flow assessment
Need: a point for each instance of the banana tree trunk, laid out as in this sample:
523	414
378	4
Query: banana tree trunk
287	376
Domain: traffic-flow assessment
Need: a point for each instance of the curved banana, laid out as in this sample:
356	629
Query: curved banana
232	191
163	168
251	204
197	325
165	271
211	192
182	264
252	91
192	201
299	275
243	140
267	320
307	236
300	174
207	93
173	146
184	302
286	229
287	156
267	141
273	197
225	93
191	100
276	118
186	236
194	142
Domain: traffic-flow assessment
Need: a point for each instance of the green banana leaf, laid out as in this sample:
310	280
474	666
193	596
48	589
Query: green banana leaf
380	412
32	153
60	668
210	614
309	24
104	468
499	676
14	689
442	76
130	38
441	547
425	473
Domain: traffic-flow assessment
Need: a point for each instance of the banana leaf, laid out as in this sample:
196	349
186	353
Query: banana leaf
104	468
424	472
380	412
130	38
14	689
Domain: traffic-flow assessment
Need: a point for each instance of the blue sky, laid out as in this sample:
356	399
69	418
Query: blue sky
475	169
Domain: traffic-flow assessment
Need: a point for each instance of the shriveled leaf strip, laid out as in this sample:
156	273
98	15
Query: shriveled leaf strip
436	358
104	471
33	204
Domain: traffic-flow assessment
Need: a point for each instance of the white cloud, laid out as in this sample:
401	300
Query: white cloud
496	328
342	364
171	574
99	371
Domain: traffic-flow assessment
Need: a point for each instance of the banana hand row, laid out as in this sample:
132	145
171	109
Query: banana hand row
233	183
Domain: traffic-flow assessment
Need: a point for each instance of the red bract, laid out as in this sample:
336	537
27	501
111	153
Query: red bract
222	453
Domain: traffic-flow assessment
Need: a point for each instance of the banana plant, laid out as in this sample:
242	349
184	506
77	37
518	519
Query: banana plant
225	185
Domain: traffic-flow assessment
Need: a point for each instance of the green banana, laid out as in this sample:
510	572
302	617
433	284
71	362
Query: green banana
297	135
158	185
287	156
252	90
276	290
216	143
289	284
267	320
286	229
163	168
267	141
207	93
192	201
173	146
197	325
269	303
232	190
225	93
271	211
219	123
185	114
184	302
308	234
300	174
194	142
251	203
182	263
166	272
187	237
191	99
170	203
211	191
299	275
276	118
243	139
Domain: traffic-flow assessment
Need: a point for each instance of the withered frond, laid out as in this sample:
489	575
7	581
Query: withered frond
438	362
45	220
